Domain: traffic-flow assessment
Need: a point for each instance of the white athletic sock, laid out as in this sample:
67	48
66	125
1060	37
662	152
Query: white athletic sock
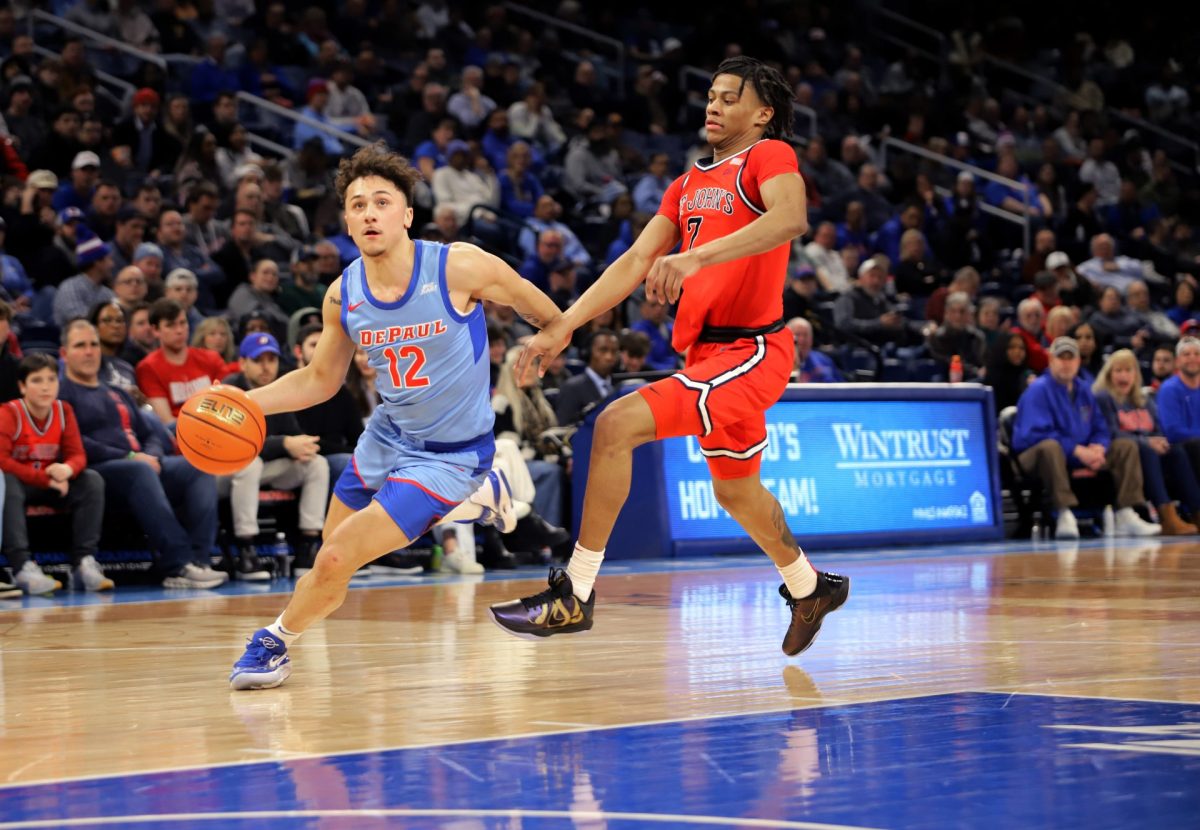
800	577
582	569
288	637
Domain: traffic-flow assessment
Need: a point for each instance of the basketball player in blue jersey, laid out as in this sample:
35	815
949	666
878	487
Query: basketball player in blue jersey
426	454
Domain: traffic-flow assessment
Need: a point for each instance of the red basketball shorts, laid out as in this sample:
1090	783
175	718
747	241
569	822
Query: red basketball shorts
722	395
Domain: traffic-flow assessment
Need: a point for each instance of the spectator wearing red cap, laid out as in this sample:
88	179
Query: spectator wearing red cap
139	142
317	97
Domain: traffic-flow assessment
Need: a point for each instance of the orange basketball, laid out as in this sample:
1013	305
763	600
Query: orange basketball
220	430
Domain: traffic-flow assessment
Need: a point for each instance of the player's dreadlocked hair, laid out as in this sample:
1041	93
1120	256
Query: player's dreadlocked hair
771	88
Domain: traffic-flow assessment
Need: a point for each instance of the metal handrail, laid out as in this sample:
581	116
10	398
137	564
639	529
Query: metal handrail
284	112
1025	187
1016	69
267	144
111	80
1142	124
1110	112
896	17
91	34
549	20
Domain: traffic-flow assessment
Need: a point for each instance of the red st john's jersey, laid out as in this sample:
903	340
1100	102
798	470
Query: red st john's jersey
713	200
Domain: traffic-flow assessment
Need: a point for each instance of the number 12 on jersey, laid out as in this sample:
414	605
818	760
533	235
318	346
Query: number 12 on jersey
411	378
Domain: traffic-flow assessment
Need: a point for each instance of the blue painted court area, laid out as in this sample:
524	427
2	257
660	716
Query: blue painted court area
960	760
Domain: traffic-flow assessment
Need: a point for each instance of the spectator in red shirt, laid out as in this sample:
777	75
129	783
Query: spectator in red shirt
41	454
175	371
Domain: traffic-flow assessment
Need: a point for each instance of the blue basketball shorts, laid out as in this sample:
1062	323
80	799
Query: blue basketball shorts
417	484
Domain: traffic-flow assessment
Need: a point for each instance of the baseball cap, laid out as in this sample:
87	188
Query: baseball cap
70	214
1057	259
42	180
966	176
85	158
20	82
91	250
457	146
145	95
257	344
866	265
147	249
306	253
129	212
1063	346
180	275
315	86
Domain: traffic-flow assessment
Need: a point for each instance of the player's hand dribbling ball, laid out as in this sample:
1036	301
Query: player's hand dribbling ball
220	430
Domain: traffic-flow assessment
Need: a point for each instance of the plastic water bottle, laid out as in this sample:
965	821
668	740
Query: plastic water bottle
956	369
281	553
1036	534
1109	521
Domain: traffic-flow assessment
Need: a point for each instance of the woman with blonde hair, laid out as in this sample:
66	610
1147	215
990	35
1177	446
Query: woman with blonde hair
214	334
524	410
1059	322
1131	414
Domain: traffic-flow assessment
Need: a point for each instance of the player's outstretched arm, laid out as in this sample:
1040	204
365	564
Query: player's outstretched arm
483	276
626	273
321	379
786	218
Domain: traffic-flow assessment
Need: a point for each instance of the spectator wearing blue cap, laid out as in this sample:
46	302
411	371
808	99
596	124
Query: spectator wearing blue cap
77	295
467	180
289	459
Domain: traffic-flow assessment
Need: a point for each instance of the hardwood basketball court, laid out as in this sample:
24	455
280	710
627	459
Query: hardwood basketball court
975	686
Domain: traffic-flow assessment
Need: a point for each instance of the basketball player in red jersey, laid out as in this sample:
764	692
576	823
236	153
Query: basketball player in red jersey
736	214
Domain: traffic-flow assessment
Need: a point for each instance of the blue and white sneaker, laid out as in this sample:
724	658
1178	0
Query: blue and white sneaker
495	497
265	664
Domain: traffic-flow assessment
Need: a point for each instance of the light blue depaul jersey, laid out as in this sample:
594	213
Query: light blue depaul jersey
431	363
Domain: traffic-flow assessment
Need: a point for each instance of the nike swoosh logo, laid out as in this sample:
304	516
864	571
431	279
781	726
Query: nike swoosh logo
809	619
353	306
275	661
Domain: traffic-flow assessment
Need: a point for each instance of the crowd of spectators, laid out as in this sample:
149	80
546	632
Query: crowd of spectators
191	187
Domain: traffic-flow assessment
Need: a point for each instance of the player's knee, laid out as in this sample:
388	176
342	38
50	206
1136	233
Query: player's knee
616	430
333	564
735	499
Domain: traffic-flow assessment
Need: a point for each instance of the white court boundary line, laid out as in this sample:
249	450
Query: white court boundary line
1012	694
519	737
577	815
